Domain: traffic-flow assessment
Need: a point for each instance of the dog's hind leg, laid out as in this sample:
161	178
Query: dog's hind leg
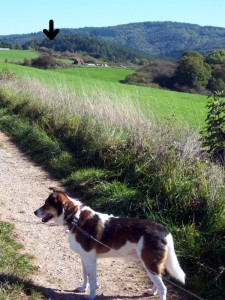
158	285
83	286
153	262
156	278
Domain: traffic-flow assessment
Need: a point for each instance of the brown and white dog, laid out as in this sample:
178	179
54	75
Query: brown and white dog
142	240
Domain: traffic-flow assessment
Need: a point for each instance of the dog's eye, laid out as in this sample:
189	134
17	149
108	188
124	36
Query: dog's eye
46	206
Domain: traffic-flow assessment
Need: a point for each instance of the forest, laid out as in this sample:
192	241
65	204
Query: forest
83	44
162	39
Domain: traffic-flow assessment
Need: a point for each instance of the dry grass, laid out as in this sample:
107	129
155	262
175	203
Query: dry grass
109	109
117	113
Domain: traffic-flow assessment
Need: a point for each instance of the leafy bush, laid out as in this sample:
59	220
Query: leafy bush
213	135
155	74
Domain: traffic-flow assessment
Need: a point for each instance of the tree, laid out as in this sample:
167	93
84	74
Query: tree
216	57
193	72
217	81
216	85
17	47
192	54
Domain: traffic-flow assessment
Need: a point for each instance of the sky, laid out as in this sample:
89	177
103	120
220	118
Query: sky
26	16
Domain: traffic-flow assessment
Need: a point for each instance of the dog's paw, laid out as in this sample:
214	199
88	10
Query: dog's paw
151	292
81	288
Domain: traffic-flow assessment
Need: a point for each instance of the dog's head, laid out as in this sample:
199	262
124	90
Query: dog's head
53	206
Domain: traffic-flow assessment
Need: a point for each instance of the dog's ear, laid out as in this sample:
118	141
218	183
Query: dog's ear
55	197
55	194
56	190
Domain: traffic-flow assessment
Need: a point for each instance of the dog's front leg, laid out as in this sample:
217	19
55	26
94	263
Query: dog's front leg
83	286
90	266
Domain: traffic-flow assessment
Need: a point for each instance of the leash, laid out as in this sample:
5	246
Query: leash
74	225
89	236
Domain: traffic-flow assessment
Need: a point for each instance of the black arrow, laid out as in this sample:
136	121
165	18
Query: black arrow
51	33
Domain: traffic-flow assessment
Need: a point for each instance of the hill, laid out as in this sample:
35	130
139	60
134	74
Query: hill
92	46
165	39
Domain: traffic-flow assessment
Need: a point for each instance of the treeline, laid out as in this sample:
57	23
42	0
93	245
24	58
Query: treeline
192	73
10	46
91	46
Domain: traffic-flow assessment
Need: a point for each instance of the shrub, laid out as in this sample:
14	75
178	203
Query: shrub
213	135
44	62
155	74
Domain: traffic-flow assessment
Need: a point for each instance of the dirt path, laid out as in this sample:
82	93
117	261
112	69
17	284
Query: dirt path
23	188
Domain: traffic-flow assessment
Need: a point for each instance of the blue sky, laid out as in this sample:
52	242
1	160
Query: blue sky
25	16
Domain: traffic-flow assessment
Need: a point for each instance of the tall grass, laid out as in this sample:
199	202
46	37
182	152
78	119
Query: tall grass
117	116
125	163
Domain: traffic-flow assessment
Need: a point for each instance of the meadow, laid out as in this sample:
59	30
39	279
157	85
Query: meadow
163	106
16	55
131	151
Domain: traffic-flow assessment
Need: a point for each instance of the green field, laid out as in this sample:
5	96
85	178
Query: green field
16	55
162	105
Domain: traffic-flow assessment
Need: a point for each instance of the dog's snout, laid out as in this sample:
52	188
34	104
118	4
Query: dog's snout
38	213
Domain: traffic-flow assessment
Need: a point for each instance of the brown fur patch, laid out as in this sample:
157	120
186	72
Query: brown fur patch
117	231
154	253
92	224
153	260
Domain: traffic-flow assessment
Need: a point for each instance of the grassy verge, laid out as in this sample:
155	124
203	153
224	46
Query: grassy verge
123	164
15	268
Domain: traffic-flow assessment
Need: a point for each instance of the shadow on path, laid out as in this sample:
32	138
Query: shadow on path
54	294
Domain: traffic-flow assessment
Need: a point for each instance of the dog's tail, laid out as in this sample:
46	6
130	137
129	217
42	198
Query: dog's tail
172	265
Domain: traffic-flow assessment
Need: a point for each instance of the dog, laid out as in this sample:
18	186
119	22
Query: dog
93	235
